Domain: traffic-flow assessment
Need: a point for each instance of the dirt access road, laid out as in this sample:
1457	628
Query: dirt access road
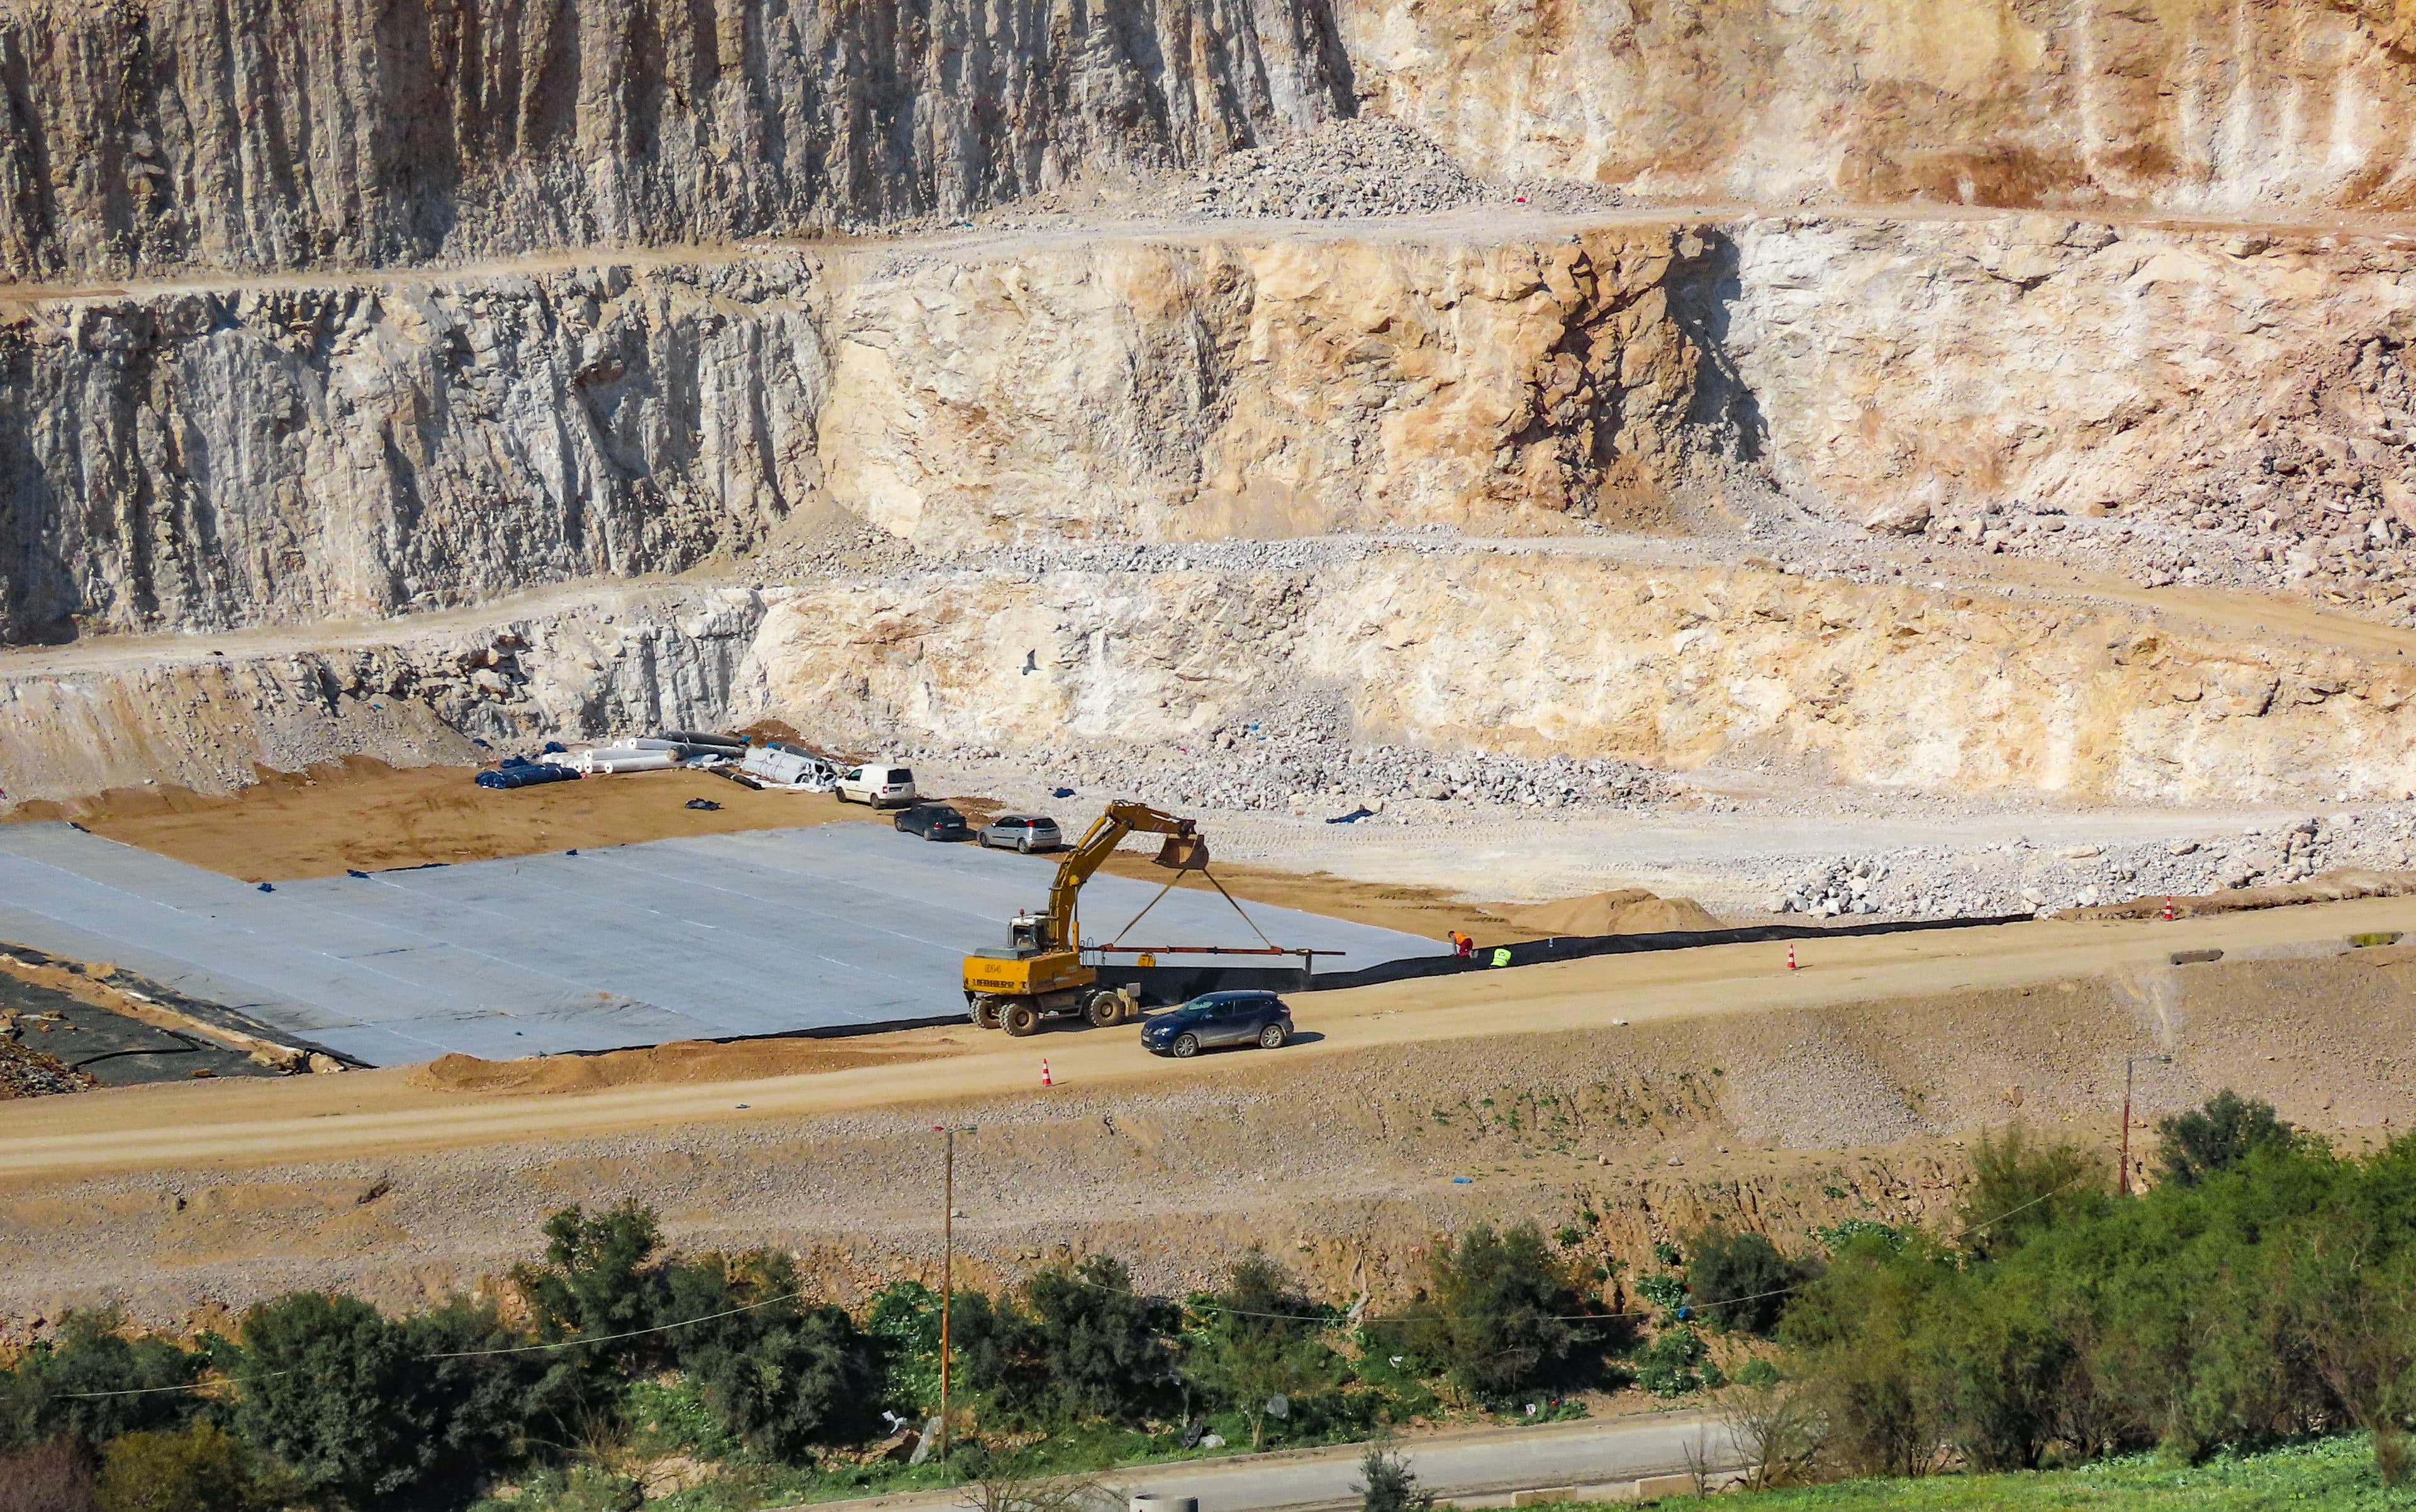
374	1113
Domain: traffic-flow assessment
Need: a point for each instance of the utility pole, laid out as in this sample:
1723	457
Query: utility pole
947	1264
2128	1062
949	1267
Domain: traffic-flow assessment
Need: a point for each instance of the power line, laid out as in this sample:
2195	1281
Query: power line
799	1295
470	1353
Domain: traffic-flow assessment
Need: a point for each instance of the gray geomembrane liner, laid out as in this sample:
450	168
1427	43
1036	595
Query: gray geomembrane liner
831	927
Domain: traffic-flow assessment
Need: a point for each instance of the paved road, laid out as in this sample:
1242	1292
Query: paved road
1492	1461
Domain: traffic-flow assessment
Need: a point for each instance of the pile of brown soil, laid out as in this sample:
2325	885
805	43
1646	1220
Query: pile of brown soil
362	814
1626	910
682	1061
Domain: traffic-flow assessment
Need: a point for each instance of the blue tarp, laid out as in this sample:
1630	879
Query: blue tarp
525	774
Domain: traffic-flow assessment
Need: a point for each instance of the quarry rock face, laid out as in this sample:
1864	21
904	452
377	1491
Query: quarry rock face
129	714
329	131
2200	403
322	313
206	459
1536	654
2195	104
315	131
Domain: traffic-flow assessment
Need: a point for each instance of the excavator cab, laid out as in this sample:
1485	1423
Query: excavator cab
1027	934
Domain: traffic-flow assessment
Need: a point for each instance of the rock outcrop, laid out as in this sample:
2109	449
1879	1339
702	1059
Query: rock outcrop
316	133
119	714
201	459
1546	653
2206	105
2202	405
306	132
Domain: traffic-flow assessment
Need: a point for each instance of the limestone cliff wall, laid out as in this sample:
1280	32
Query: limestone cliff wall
121	713
1552	653
2197	104
302	132
1254	386
1529	653
296	452
309	132
2079	366
208	460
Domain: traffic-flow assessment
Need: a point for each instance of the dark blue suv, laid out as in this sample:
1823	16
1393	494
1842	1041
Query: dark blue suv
1219	1019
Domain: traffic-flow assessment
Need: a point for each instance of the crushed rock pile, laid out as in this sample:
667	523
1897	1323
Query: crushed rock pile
1369	166
2020	878
1249	768
30	1073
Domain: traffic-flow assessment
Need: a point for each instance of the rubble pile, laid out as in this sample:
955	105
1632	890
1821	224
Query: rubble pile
1365	167
30	1073
1313	767
2017	877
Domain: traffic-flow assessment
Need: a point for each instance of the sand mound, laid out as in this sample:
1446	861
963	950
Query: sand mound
682	1061
1626	910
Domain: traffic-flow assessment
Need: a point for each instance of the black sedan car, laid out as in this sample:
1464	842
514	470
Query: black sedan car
1219	1019
933	822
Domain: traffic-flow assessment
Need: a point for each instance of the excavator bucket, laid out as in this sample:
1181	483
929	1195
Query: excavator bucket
1183	853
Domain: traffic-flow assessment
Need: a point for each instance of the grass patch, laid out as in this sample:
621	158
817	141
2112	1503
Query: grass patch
2334	1474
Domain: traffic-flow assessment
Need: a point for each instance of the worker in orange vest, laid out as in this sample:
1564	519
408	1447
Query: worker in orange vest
1463	946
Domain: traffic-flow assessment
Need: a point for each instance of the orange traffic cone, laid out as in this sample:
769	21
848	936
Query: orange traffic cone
2168	910
1790	955
1045	1080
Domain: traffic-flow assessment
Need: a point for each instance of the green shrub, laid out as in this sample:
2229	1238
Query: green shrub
1740	1281
1101	1348
198	1468
1666	1293
779	1375
1386	1483
38	1400
1258	1338
324	1384
470	1394
2020	1188
1858	1336
904	1322
596	1283
1672	1364
1499	1313
2194	1146
1073	1345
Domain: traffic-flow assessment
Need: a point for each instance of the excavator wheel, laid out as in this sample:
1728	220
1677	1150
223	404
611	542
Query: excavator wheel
1020	1019
1105	1009
985	1013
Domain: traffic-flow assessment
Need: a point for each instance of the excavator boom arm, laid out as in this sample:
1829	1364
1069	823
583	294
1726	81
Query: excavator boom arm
1183	850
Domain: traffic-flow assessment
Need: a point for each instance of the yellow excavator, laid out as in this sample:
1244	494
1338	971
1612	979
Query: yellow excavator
1041	975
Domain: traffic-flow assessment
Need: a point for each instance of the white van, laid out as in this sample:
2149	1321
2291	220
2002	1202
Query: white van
879	784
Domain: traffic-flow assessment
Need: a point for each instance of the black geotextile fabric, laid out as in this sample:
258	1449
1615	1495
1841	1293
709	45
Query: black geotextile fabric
1577	947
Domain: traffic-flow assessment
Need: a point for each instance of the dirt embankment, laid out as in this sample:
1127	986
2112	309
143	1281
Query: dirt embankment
682	1061
362	814
1341	1161
1624	911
